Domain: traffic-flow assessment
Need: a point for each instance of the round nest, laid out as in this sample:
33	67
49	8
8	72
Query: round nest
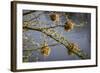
45	51
69	25
54	17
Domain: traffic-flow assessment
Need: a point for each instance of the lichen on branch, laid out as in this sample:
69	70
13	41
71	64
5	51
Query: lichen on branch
59	38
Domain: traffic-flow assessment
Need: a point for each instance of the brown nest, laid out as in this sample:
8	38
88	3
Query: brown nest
69	25
73	47
45	51
54	17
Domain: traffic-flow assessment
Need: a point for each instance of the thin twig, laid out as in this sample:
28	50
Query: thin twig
34	17
29	12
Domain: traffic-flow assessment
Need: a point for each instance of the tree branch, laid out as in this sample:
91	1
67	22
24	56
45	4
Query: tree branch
57	37
35	17
28	12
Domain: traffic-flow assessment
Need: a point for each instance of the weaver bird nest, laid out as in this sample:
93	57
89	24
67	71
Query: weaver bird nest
54	17
73	47
45	50
69	25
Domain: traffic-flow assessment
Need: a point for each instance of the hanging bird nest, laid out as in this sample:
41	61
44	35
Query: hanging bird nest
45	50
73	47
69	25
54	17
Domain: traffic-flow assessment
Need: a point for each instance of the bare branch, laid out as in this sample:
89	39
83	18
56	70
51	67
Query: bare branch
54	26
57	37
28	12
34	17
